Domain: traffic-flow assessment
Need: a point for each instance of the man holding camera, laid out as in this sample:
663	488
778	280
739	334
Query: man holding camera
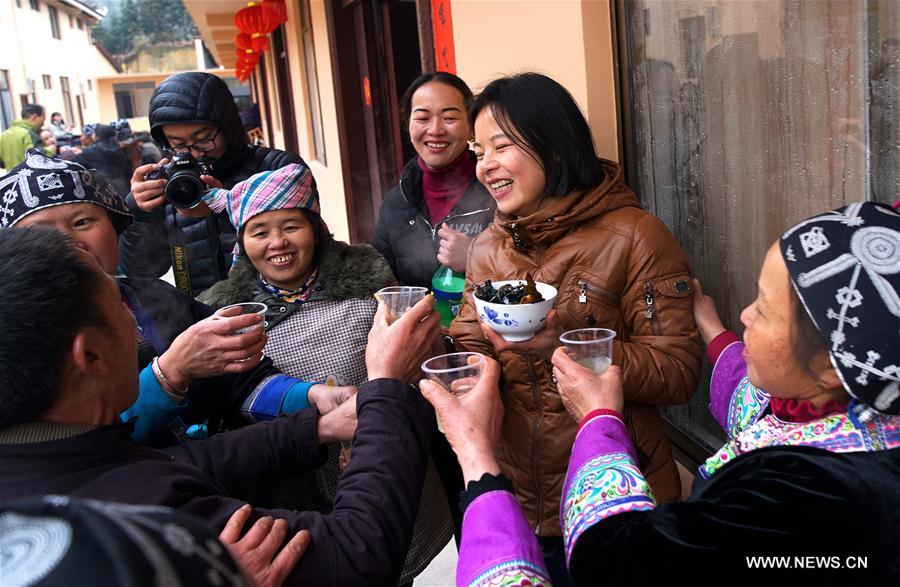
192	116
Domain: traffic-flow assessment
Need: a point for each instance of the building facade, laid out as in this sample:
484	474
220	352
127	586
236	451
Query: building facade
47	56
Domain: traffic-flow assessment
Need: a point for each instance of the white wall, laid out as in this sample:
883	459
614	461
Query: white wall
29	51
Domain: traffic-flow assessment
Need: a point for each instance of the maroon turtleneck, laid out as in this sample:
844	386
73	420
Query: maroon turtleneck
442	188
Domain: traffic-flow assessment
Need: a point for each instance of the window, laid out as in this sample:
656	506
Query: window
34	5
79	100
90	85
48	82
18	3
71	21
54	21
746	117
6	105
312	84
240	92
133	99
67	97
79	23
32	91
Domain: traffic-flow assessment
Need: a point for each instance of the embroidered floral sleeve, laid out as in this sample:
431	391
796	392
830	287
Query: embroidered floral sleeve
603	479
498	547
734	402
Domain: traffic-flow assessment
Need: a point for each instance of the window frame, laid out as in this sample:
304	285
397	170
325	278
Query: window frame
66	90
136	109
7	111
55	29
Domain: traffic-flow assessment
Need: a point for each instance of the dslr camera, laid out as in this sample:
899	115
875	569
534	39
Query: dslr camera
183	172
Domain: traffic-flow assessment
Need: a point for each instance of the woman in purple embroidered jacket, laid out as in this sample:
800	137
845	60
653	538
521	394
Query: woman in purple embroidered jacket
811	479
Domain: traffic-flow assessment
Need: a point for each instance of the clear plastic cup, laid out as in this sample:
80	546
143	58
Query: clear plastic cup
458	373
400	298
246	308
590	347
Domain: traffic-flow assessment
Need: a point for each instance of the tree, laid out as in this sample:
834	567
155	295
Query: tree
140	22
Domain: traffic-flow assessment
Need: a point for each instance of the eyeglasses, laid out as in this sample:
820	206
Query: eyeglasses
204	146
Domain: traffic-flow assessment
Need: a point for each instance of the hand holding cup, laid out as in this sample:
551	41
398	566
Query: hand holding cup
471	421
212	347
400	298
396	349
582	389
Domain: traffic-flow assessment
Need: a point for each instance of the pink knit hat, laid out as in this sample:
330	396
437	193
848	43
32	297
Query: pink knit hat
288	187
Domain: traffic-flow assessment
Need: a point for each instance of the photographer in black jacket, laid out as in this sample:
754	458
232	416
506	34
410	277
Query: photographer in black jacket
194	113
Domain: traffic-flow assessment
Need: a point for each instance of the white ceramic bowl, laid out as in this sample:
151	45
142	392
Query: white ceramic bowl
516	322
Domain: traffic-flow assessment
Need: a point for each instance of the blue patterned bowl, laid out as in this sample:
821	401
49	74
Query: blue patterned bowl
516	322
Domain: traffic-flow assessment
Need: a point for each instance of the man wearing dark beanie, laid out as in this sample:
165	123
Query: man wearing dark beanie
106	156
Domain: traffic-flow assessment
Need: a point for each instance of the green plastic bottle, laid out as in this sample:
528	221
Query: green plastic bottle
448	287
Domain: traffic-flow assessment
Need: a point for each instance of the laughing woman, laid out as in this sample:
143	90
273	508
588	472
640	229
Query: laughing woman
567	218
319	295
431	215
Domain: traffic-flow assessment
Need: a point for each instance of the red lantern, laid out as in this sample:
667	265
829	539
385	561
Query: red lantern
278	7
255	42
256	18
245	56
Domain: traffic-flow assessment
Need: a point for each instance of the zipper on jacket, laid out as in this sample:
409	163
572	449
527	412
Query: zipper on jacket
437	226
535	446
651	311
425	220
585	287
454	217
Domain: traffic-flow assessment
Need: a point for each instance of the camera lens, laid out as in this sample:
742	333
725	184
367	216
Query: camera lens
184	189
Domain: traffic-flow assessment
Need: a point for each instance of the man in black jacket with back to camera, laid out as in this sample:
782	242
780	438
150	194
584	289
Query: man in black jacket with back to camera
194	113
68	368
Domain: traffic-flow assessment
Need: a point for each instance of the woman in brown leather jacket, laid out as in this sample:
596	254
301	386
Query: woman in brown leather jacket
566	217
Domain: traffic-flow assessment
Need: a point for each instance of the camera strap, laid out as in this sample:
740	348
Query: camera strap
178	250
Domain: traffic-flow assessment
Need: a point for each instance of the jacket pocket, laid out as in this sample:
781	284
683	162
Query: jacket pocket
665	296
591	303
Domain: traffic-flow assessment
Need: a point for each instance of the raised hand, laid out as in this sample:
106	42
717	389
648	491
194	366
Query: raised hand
453	249
148	194
326	398
339	424
541	344
582	390
260	552
471	421
210	348
397	350
705	315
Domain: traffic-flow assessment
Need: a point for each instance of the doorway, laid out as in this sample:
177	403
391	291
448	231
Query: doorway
375	54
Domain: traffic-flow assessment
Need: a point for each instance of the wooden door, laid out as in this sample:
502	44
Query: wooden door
365	37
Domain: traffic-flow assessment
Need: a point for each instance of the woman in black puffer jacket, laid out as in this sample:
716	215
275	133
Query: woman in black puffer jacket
429	218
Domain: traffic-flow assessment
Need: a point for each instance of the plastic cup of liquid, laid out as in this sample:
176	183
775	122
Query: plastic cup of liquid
590	347
458	373
246	308
400	298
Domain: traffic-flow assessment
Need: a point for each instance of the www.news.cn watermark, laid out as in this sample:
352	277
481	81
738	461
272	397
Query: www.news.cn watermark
807	562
